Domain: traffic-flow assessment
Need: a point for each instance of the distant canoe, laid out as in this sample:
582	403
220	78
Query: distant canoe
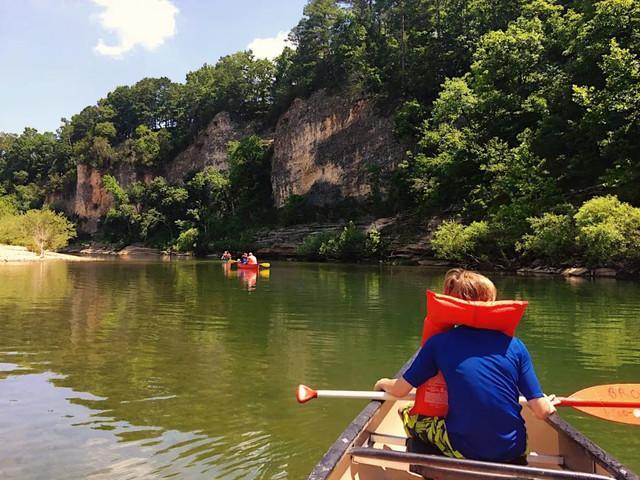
373	448
248	266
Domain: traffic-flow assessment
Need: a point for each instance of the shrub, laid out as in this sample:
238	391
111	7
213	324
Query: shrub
375	245
10	229
187	241
455	241
310	246
42	230
348	244
608	230
7	206
552	237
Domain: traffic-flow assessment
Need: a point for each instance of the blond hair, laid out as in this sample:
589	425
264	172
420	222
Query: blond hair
468	285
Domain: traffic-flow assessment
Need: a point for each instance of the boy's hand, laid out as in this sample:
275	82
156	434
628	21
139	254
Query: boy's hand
381	384
553	399
398	387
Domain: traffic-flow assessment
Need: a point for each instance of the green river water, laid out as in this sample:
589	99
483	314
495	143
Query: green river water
117	370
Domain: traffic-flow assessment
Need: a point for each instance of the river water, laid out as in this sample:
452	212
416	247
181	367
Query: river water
117	370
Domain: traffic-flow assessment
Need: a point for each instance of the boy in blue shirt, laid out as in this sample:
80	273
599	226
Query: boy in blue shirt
485	371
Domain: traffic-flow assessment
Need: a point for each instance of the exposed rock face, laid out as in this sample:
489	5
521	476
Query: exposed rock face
209	148
92	201
324	147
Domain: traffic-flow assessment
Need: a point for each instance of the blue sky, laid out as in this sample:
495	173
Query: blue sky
58	56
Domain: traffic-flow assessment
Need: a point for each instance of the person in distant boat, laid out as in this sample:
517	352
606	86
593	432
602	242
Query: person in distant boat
244	258
251	259
485	371
226	256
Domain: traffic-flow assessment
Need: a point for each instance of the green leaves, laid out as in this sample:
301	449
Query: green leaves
38	230
454	241
608	230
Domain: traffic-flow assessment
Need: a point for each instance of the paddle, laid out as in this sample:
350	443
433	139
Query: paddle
263	265
617	403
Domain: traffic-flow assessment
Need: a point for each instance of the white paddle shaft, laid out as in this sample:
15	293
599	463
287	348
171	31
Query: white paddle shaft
361	394
373	395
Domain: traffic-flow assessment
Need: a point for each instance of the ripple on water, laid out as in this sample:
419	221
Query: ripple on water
191	376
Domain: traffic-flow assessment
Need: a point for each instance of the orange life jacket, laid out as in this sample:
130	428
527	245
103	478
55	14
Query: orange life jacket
445	312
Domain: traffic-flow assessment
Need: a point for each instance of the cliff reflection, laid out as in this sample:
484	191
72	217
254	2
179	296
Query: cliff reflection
175	368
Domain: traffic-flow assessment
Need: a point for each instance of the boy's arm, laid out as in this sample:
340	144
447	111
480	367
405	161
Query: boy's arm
543	406
422	369
398	387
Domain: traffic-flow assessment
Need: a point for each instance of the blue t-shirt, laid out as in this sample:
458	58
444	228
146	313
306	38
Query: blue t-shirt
485	372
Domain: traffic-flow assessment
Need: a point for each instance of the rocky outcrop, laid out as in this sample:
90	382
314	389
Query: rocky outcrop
407	239
209	148
92	201
325	147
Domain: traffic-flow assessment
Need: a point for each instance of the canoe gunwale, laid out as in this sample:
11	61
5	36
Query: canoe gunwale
340	447
613	466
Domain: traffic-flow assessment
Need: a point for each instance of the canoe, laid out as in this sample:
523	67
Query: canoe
248	266
373	448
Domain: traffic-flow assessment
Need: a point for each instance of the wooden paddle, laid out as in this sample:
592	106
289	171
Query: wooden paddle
616	403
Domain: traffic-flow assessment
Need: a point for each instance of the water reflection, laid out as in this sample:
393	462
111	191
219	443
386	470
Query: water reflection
157	369
248	278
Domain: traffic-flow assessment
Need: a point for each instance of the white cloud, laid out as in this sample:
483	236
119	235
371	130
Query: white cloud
270	47
147	23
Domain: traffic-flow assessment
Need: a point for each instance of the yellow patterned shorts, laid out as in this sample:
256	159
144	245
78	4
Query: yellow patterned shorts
431	430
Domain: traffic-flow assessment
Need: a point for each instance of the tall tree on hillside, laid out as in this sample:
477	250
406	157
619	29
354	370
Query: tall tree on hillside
314	65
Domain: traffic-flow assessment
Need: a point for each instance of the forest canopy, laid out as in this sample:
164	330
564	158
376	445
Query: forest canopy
517	111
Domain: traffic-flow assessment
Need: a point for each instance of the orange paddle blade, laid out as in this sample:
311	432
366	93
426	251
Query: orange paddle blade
304	394
617	403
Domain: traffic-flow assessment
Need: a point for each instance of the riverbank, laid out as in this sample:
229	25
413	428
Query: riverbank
16	254
408	242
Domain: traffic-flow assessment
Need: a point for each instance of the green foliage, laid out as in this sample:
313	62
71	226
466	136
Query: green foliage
209	206
455	241
38	230
608	230
408	119
187	241
350	244
311	244
509	108
375	245
552	238
250	178
7	206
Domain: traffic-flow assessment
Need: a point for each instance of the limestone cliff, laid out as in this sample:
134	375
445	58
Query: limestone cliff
325	146
92	201
209	148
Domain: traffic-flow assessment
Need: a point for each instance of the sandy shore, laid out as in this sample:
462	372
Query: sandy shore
14	254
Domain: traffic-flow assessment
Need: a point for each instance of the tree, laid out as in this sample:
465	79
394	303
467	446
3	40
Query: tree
250	178
45	230
314	66
209	205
